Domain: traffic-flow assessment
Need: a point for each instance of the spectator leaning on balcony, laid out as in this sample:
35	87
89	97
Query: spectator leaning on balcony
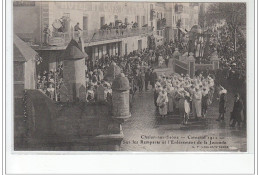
77	30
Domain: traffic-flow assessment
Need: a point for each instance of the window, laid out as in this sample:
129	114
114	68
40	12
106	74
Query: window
125	48
138	20
143	20
139	44
126	20
151	6
102	21
85	23
116	18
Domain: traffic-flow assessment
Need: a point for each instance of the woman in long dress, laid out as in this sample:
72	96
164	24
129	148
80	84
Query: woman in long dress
204	102
196	103
181	104
162	101
186	109
171	95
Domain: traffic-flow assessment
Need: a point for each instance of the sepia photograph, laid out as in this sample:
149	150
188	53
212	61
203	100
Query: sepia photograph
129	76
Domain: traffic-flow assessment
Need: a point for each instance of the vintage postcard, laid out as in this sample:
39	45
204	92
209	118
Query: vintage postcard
130	76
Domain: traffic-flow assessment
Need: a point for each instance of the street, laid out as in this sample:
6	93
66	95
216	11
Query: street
145	125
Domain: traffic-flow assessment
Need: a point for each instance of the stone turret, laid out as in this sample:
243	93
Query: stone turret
74	74
120	97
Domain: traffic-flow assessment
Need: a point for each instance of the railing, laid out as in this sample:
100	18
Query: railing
203	66
99	35
181	64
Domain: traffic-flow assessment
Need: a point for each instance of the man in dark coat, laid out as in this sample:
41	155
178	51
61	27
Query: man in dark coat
153	78
140	81
222	104
147	78
237	110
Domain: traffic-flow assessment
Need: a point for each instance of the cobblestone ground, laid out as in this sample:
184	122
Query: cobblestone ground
145	131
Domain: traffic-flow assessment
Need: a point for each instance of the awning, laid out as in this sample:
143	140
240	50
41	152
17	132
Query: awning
23	52
182	30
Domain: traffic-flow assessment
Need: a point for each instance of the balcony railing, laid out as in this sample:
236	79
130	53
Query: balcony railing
101	35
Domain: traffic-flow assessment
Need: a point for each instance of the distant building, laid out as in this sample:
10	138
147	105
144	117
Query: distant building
180	17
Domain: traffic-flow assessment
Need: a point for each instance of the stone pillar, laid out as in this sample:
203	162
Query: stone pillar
52	61
116	48
191	65
96	55
52	64
104	50
74	79
100	51
120	97
111	49
215	60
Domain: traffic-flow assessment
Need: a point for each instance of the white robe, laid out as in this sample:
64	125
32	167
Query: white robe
171	96
162	100
187	107
196	104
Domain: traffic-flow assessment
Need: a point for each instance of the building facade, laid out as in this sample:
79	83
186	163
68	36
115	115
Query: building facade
180	17
99	22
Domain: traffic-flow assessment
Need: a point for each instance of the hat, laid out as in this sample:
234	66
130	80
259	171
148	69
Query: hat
224	91
237	95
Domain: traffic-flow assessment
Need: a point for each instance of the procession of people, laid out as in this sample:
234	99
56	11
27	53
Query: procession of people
183	95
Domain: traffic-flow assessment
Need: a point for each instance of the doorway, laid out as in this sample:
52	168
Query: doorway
102	21
139	45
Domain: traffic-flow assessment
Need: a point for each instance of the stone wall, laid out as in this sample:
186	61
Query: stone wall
47	125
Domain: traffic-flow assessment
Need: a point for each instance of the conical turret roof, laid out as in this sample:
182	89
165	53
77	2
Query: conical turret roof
73	51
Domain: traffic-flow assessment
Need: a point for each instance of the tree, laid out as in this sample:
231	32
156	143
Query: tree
178	25
202	15
233	13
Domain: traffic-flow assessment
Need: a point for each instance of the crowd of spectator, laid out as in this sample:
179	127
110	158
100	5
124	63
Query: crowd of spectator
134	65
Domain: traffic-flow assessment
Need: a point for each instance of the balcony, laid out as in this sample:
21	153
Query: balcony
59	40
101	35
